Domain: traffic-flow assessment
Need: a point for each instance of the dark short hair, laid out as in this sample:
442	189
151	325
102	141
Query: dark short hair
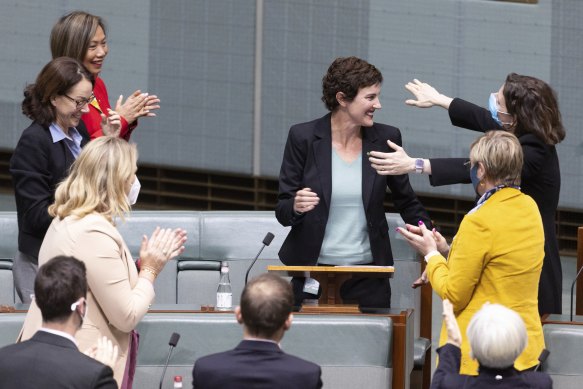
58	284
347	75
72	34
266	303
534	104
55	79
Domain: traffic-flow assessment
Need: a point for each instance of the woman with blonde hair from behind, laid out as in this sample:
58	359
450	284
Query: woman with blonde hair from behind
99	190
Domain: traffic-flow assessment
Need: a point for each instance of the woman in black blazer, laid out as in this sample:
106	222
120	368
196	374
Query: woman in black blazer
329	192
44	153
527	107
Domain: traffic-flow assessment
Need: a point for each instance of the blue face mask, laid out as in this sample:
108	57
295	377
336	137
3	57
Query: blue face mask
474	177
493	105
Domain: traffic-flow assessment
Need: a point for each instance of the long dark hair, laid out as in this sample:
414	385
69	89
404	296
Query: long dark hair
534	105
55	79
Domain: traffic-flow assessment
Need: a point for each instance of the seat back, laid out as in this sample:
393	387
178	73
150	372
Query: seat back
351	350
564	364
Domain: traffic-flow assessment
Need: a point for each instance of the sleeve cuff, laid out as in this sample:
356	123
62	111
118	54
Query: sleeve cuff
431	254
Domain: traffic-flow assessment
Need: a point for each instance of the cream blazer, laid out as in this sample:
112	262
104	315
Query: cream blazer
117	298
497	257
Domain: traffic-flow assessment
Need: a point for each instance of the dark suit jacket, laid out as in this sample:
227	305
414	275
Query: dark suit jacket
541	179
307	162
37	166
51	361
447	375
255	364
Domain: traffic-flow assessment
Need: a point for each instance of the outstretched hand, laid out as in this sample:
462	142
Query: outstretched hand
391	164
426	96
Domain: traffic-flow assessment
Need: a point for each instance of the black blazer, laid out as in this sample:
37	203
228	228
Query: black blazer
51	361
307	162
255	364
447	375
37	166
541	180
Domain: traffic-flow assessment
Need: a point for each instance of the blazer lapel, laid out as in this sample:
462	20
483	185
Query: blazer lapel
322	148
369	175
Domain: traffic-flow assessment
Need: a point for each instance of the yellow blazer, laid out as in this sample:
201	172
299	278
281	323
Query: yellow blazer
496	256
117	298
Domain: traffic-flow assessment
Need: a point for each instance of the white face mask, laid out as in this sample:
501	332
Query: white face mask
134	192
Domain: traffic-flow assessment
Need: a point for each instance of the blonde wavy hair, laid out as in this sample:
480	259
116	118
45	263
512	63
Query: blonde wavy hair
501	154
97	180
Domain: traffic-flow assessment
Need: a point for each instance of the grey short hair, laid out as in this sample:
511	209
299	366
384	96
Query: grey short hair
497	336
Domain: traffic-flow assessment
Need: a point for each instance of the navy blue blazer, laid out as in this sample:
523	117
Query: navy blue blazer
51	361
307	162
255	364
447	375
37	166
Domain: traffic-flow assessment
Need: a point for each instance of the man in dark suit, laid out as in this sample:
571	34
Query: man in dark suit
50	359
258	361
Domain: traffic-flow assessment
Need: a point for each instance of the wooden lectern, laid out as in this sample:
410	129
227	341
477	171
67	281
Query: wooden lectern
330	279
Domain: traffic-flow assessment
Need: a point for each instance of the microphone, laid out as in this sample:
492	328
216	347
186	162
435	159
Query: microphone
266	242
542	358
172	343
572	287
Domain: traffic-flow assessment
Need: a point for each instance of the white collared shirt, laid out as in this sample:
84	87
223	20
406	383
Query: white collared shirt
73	141
60	333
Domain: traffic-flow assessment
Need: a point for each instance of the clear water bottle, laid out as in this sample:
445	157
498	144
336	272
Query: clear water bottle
178	382
224	291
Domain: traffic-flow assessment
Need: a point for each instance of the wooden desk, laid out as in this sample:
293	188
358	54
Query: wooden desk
331	278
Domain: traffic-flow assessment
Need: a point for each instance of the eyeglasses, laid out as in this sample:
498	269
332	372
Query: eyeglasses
80	103
468	165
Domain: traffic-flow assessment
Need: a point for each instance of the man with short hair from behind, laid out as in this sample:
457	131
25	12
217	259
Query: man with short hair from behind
51	359
258	361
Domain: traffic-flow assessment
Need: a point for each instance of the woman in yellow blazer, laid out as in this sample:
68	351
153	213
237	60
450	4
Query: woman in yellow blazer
101	187
498	252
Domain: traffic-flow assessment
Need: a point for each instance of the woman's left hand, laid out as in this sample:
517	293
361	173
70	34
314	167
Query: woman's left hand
391	164
111	124
422	241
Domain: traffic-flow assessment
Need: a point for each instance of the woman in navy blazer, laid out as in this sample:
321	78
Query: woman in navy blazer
45	151
308	196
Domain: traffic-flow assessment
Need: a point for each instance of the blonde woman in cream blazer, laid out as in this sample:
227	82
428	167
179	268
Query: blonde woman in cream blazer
100	187
497	254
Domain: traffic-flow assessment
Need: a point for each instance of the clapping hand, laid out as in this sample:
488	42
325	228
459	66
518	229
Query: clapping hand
163	245
104	351
111	124
454	335
137	105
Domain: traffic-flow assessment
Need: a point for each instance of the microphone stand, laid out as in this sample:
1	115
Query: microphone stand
572	287
266	242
